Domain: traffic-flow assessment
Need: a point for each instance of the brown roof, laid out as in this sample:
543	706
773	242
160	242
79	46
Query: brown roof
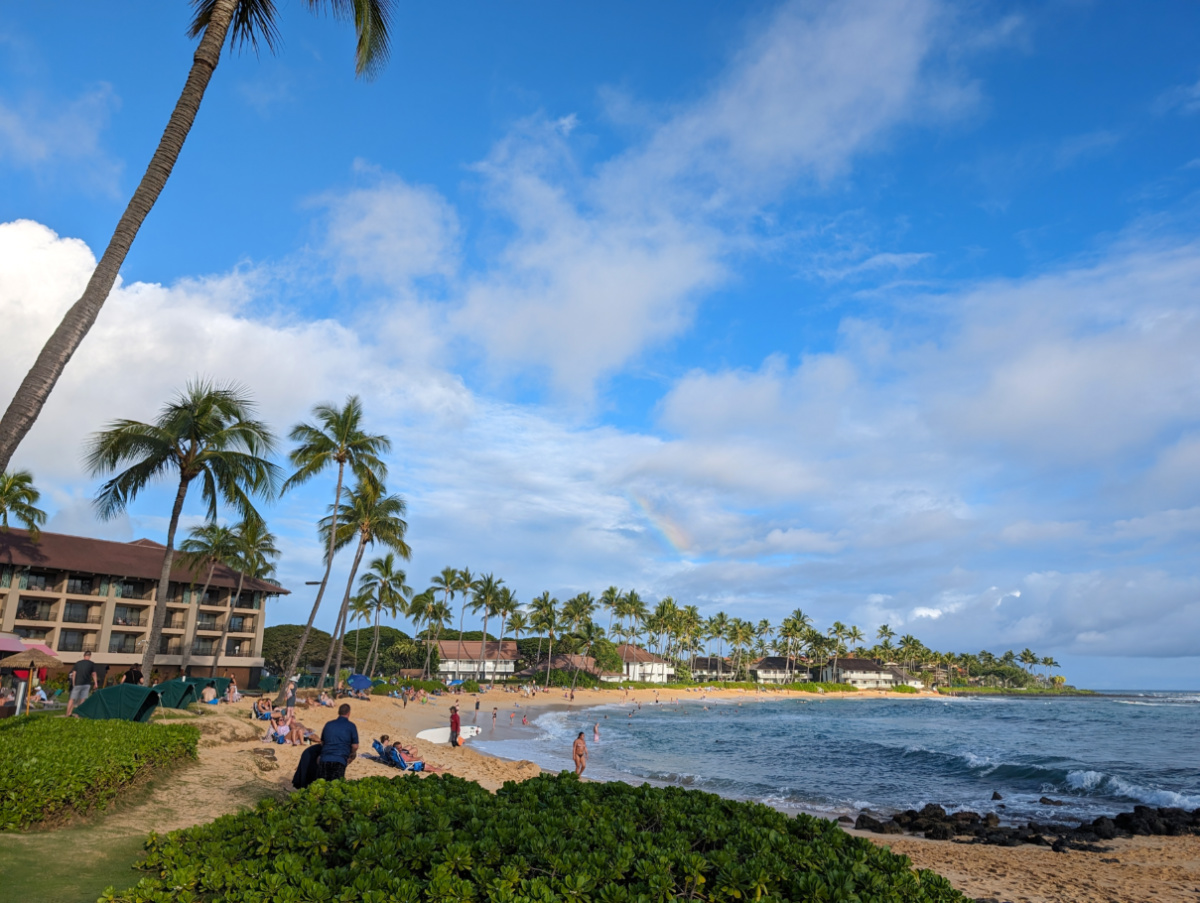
472	650
709	663
631	653
860	664
141	559
772	663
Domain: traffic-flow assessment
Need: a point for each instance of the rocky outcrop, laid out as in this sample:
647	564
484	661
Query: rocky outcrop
935	824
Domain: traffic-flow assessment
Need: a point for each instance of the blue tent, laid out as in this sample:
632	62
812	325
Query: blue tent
359	682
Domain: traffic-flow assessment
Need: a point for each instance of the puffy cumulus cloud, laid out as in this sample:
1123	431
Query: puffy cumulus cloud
56	138
150	339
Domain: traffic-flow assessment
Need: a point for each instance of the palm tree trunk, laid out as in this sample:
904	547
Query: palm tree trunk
483	649
35	389
188	640
462	613
312	615
549	659
499	644
373	655
344	617
229	617
164	582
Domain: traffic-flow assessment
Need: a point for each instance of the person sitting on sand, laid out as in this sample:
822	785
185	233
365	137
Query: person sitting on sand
209	693
262	709
324	699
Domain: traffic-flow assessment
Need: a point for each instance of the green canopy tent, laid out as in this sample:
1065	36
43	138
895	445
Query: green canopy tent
127	702
220	684
177	694
268	684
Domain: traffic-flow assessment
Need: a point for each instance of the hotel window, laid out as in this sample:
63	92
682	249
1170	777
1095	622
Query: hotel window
80	586
36	581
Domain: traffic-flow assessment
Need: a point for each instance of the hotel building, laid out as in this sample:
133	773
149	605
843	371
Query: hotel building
75	594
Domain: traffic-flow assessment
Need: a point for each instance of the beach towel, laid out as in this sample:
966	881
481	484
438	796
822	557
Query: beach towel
308	770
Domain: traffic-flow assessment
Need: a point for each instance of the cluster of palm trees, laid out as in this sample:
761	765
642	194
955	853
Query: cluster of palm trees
209	437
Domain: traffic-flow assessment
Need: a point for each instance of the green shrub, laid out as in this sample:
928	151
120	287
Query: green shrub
470	686
552	839
816	686
904	688
429	686
52	766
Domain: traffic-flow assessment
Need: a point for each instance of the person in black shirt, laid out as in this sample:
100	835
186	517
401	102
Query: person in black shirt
83	681
339	745
134	676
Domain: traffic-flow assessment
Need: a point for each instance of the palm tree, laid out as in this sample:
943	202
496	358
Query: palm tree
884	633
576	612
205	547
717	627
538	610
362	610
370	516
612	601
447	583
19	498
506	604
854	637
385	588
589	633
549	620
244	22
254	547
463	584
635	613
207	433
518	623
337	438
485	594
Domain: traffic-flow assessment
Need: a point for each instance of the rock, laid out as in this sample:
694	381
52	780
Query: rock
867	823
890	827
1104	828
1059	846
1046	801
264	759
992	820
965	818
845	820
940	831
996	795
932	810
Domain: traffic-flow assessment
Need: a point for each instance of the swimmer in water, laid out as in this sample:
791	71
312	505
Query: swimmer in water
596	733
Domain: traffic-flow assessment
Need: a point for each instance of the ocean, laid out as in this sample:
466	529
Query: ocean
1097	755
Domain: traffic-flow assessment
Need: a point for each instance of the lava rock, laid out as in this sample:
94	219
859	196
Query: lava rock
867	823
1046	801
996	795
1104	828
940	831
932	810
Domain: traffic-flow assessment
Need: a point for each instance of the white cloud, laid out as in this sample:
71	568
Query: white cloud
61	139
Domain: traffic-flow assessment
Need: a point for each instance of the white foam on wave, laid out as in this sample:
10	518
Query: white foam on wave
1110	785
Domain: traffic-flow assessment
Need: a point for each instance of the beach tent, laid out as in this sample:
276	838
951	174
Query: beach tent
268	684
177	694
378	682
220	684
128	702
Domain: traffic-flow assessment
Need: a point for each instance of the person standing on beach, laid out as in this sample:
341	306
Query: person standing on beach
455	726
290	701
339	745
493	717
579	754
133	676
83	681
475	717
596	733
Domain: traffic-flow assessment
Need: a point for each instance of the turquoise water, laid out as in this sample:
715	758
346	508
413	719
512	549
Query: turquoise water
1098	755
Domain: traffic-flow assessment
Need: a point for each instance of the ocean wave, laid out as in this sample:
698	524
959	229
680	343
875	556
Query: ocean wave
1097	782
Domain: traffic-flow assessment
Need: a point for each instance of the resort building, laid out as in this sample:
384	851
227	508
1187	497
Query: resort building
469	660
76	595
777	669
866	674
640	665
710	667
568	663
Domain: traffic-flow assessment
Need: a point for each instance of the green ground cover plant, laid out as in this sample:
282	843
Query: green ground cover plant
1015	691
904	688
552	839
52	767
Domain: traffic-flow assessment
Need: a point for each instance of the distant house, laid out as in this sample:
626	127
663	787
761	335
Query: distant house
468	659
866	674
777	669
710	667
640	665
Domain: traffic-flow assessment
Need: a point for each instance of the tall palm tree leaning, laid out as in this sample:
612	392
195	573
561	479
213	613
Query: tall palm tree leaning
255	547
464	583
245	23
208	433
337	437
18	499
371	516
206	546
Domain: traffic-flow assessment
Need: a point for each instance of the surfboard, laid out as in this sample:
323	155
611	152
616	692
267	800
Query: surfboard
442	734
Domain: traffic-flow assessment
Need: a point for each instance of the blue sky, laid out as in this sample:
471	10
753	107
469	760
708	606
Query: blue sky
887	311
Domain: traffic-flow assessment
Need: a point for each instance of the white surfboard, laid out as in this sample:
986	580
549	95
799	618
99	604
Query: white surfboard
442	734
